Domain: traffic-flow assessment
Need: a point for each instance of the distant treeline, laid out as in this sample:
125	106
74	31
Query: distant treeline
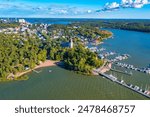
134	25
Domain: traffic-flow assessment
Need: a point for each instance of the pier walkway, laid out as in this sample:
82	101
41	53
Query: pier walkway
135	89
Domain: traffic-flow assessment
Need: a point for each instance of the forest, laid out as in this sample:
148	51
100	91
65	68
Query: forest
17	54
125	24
81	60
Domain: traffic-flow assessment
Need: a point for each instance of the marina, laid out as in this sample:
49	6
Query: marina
134	73
116	60
145	92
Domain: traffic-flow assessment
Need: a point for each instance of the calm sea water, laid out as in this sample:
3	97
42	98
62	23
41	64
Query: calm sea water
64	84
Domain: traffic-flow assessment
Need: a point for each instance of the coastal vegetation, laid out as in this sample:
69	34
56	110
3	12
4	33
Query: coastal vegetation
17	54
81	60
22	52
24	77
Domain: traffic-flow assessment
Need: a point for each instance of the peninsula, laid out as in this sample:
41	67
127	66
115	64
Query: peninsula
24	46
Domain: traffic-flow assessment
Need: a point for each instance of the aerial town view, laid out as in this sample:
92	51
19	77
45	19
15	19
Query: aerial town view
75	50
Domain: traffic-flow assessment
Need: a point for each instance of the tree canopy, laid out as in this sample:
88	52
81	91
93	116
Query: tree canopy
17	53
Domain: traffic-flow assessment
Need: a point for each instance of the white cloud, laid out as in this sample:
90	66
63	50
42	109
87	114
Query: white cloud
49	9
134	3
124	4
137	5
63	11
111	6
68	11
145	2
127	1
89	11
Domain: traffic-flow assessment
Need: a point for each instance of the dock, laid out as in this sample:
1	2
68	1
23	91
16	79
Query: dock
132	67
122	83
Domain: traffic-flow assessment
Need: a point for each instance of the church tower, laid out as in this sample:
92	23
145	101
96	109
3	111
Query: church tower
71	43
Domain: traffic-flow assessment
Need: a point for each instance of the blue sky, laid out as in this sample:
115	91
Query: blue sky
76	8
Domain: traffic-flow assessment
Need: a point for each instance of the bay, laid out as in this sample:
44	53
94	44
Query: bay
63	84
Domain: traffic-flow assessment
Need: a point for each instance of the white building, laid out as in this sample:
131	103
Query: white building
21	21
71	43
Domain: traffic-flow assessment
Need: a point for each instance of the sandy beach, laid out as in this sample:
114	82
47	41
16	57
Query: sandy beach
47	63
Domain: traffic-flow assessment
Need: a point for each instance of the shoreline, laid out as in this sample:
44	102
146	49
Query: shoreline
47	63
